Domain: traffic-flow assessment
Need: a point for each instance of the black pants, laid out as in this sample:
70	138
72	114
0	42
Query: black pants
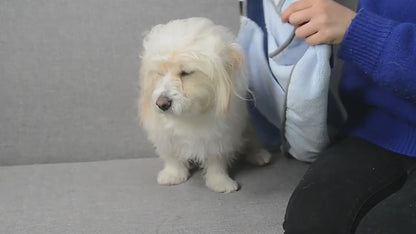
355	187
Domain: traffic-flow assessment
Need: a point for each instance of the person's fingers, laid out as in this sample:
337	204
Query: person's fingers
296	6
306	30
315	39
300	17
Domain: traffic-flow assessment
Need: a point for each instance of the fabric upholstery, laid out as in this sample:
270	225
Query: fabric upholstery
122	196
69	73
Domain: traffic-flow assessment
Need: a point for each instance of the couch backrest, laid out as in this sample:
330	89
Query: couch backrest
68	75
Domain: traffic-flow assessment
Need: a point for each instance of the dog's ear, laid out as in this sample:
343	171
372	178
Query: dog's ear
224	87
145	91
225	73
235	58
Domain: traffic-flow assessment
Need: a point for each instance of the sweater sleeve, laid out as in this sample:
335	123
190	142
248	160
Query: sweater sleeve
385	50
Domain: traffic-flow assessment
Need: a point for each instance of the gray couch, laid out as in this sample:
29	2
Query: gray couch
72	156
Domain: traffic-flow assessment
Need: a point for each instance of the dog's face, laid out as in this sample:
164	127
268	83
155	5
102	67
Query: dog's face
179	85
188	68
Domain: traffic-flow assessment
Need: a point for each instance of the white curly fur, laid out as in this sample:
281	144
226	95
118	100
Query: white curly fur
199	67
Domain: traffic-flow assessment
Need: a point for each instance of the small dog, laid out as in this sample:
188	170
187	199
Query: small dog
192	101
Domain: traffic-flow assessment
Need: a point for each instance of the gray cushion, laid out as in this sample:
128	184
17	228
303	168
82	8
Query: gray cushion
69	73
122	196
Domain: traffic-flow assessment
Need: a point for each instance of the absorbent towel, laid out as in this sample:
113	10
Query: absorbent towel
290	84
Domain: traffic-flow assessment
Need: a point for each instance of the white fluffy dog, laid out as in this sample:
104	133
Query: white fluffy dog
192	101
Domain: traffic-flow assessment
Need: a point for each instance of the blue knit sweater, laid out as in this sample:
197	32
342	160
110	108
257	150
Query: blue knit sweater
378	83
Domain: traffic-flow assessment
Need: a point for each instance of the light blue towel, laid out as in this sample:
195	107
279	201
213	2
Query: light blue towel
291	86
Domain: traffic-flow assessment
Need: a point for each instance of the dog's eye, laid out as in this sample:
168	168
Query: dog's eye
185	73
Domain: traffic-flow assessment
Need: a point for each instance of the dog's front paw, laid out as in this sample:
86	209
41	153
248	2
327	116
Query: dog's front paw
221	183
259	158
172	176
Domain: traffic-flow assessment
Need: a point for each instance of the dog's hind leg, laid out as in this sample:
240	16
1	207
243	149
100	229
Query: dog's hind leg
254	152
258	156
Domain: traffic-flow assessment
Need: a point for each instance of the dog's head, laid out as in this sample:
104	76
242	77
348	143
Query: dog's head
189	67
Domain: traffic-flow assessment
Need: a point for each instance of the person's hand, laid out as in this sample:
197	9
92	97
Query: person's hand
319	21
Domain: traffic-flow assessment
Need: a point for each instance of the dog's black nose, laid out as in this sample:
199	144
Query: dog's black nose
164	103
